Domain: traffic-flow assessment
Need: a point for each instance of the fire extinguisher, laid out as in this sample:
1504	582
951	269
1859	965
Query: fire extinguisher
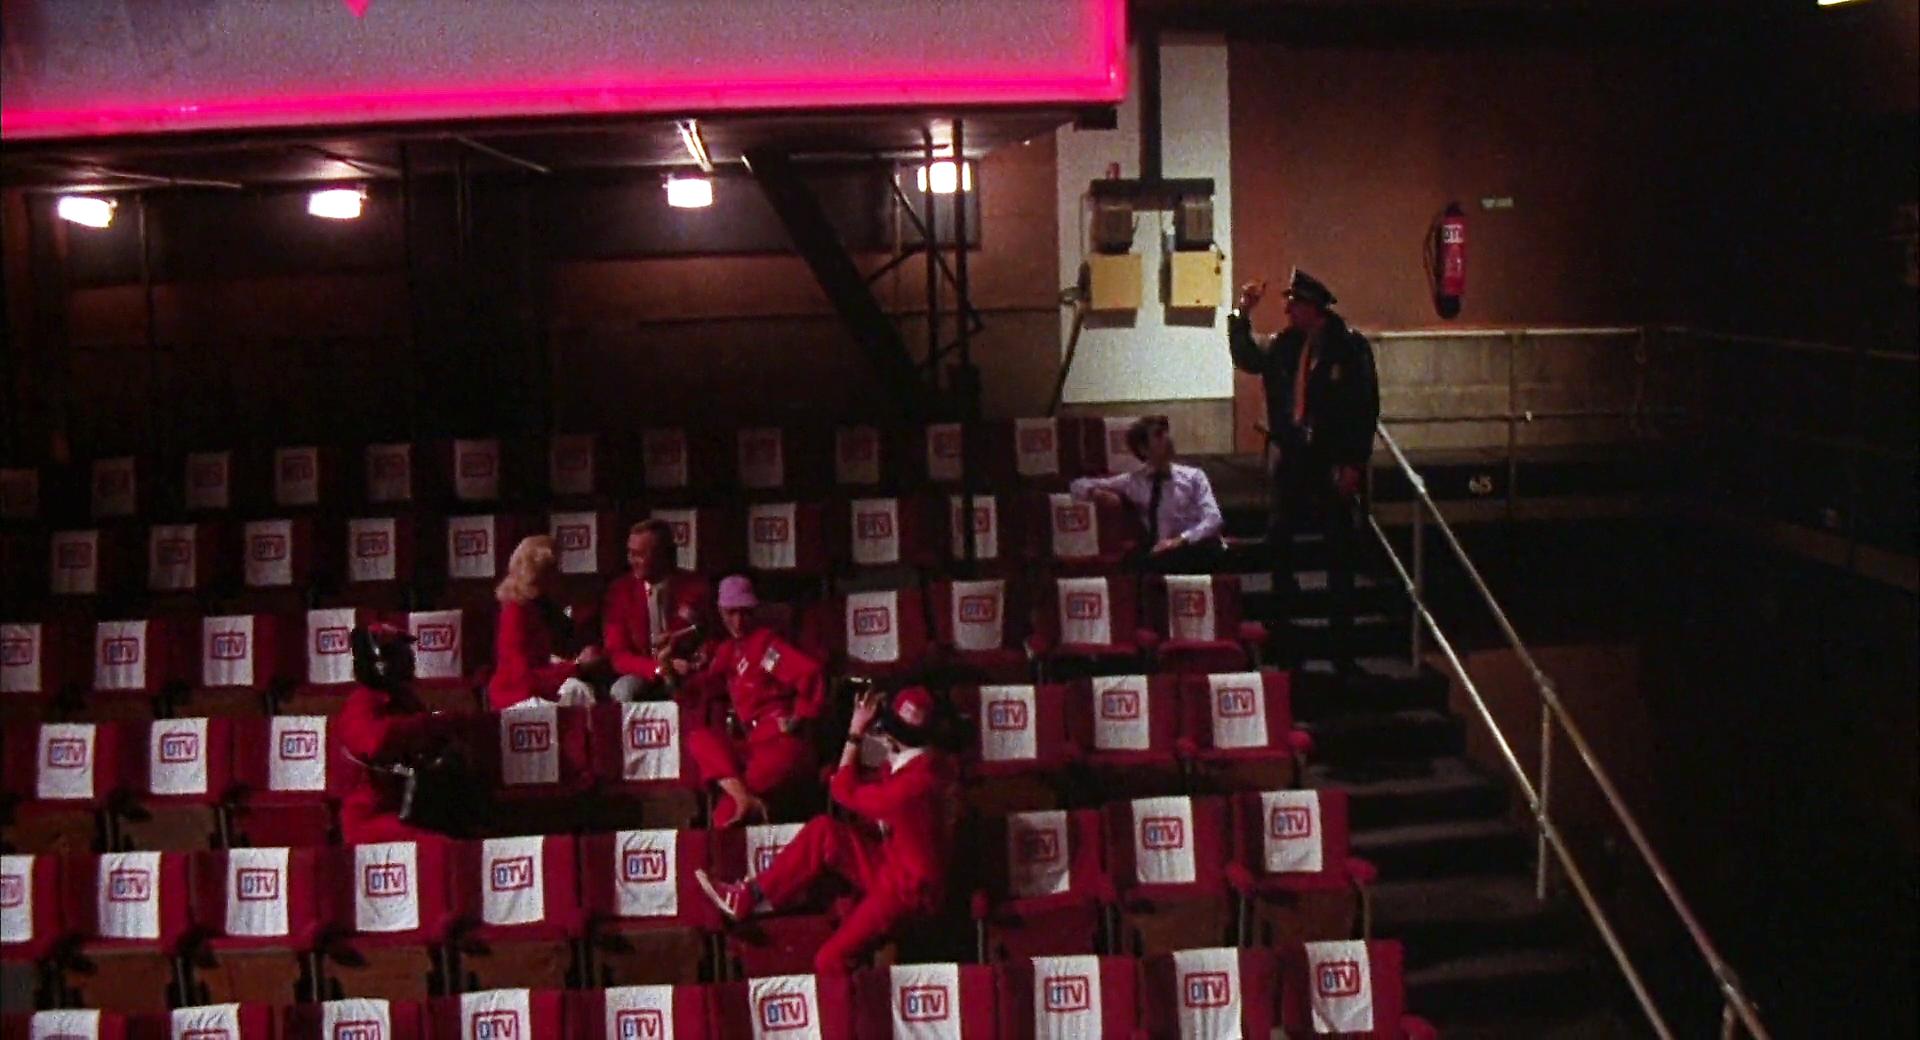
1448	259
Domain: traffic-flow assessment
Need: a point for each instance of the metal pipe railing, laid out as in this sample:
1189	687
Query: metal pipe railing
1737	1003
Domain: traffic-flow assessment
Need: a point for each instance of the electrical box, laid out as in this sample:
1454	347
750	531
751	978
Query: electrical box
1112	225
1195	280
1113	281
1193	223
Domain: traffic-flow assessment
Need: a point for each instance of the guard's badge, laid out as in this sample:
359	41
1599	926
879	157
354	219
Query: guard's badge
770	660
1333	374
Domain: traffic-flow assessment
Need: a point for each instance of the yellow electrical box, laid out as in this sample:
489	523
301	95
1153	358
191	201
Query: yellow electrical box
1113	281
1195	279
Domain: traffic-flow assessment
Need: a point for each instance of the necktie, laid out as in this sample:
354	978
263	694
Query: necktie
1153	509
1300	383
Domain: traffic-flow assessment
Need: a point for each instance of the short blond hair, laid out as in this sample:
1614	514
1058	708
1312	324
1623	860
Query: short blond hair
531	559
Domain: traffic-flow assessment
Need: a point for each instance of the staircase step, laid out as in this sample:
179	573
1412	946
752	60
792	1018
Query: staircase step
1449	848
1374	632
1430	791
1379	684
1444	918
1595	1025
1497	988
1385	736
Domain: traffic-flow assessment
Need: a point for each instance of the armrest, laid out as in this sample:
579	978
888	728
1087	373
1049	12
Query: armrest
1146	638
1413	1027
979	906
1186	747
1300	741
1252	632
1240	879
1361	872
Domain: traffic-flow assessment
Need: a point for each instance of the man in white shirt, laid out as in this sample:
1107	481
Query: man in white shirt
1174	502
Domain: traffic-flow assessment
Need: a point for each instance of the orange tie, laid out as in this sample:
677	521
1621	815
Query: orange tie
1300	383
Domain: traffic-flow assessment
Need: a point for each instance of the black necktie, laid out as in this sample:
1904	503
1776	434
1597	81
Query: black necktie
1153	509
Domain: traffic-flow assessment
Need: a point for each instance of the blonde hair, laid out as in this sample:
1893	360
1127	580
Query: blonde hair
533	557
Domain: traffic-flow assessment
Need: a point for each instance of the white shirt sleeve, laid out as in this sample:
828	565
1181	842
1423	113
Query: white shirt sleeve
1210	522
1084	487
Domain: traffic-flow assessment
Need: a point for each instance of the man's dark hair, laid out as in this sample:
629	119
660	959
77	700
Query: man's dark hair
1141	432
662	533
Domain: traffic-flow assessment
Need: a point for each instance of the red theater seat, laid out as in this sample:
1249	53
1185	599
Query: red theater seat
1047	452
646	778
1294	875
472	554
1104	445
41	662
1092	625
1169	859
589	545
538	761
705	539
188	560
499	1014
1130	726
865	459
879	633
911	1000
209	480
387	477
520	907
280	561
1023	750
650	921
886	532
450	651
1044	884
785	538
259	915
641	1013
779	943
999	533
1079	996
244	660
353	1019
682	466
1198	620
69	1022
1350	989
468	471
1081	537
307	477
772	460
1212	992
981	628
578	471
93	562
395	913
770	1005
34	903
130	910
207	1022
1238	731
329	658
182	774
380	561
120	486
136	662
290	775
59	778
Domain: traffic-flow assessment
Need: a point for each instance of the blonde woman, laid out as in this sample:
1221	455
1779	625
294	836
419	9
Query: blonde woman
531	627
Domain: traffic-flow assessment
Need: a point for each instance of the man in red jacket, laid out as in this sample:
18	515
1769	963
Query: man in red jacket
902	872
775	692
657	617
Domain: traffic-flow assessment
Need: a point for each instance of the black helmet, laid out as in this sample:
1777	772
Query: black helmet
382	656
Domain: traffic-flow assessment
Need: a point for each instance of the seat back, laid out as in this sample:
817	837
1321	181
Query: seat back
641	1013
249	651
130	898
880	631
77	763
1238	711
1036	855
886	531
357	1018
247	1021
935	1001
519	887
1092	611
33	903
531	749
643	744
1054	998
1081	533
42	658
394	891
143	657
776	1006
65	1022
1168	841
786	537
1125	713
1292	833
499	1014
1020	723
647	875
182	759
290	756
267	896
1211	994
1194	608
1352	987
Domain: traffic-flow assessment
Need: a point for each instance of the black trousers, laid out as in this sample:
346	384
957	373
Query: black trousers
1198	558
1303	498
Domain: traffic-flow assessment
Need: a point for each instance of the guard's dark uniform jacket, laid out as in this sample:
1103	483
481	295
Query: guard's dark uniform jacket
1343	391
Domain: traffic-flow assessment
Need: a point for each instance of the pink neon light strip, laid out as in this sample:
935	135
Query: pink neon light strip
803	90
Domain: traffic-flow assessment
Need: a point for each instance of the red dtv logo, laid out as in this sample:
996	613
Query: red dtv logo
384	880
1067	993
529	737
982	518
665	451
1189	603
129	885
176	748
476	464
783	1011
510	874
1206	989
122	650
16	652
299	744
979	609
873	526
1039	846
472	542
1036	439
872	621
173	552
13	890
1072	519
1004	715
1085	606
364	1029
573	460
771	529
1337	978
369	544
639	1024
67	753
857	445
437	636
209	1033
643	866
1163	832
74	556
925	1004
330	641
296	466
646	734
256	884
117	481
1120	705
210	474
573	537
1236	702
265	548
390	465
1288	822
496	1025
946	444
228	646
762	449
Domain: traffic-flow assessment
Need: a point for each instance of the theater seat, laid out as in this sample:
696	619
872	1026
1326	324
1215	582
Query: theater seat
1023	750
289	775
878	634
1168	858
537	762
183	770
328	650
1043	884
865	459
1238	731
395	914
520	910
379	561
208	1022
499	1014
705	539
187	561
641	1013
1083	996
588	546
353	1019
1091	626
880	533
69	1022
451	651
469	553
777	1005
785	539
1349	989
1212	993
259	916
41	664
981	629
139	663
245	660
1296	881
281	560
1131	726
777	943
906	1001
33	918
1081	536
650	923
999	538
130	911
645	778
60	777
683	466
1200	625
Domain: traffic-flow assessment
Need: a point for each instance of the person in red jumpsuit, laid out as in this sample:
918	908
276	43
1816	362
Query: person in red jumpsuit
897	856
532	627
382	726
656	618
776	691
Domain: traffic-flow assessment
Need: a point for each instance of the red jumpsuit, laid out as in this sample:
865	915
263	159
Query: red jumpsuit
523	664
900	875
376	726
627	629
766	678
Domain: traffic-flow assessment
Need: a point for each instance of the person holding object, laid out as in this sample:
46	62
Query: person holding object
1175	502
657	618
896	855
1323	402
388	733
775	692
532	626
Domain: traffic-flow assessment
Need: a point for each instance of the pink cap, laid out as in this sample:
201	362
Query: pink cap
736	593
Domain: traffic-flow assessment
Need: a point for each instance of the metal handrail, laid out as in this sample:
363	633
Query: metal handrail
1737	1004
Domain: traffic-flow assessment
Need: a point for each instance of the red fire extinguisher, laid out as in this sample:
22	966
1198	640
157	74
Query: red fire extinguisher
1449	260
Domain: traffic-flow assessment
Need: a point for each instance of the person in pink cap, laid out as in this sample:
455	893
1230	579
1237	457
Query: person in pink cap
896	856
775	691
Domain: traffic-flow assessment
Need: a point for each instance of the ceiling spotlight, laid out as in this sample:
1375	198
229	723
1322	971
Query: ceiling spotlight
91	210
337	203
944	176
689	192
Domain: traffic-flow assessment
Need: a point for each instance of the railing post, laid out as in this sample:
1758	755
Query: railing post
1729	1021
1419	582
1543	865
1513	422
